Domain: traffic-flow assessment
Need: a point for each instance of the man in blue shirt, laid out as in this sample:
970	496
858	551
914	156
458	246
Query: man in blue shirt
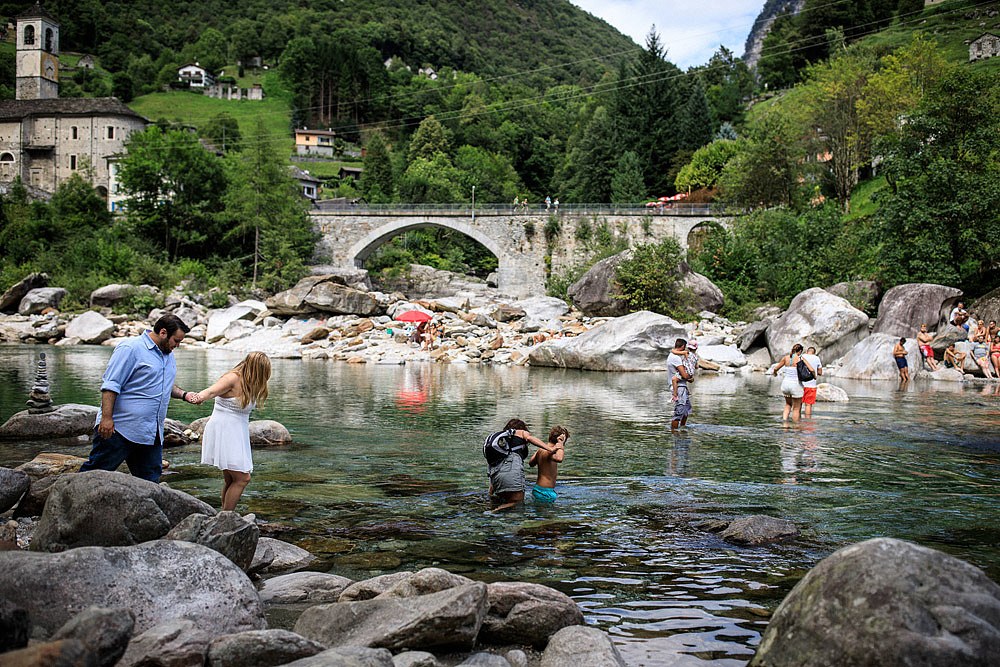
137	386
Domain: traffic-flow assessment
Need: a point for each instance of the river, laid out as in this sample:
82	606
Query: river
387	473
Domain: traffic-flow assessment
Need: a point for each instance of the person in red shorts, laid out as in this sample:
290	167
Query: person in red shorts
924	339
809	386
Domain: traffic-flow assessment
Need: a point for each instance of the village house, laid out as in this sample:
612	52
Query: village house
45	139
308	184
353	172
85	62
314	142
195	75
985	46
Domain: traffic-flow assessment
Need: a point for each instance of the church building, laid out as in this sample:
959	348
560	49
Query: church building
45	139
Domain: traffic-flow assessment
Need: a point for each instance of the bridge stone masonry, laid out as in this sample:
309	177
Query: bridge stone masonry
518	240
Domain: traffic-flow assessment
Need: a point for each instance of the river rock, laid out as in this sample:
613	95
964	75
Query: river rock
48	464
863	294
91	328
63	653
15	626
580	645
726	355
268	432
704	294
286	557
189	316
872	359
109	295
13	484
226	532
640	341
311	587
292	301
263	556
105	508
158	581
66	421
423	582
198	426
451	617
219	320
517	658
347	656
11	299
759	529
260	648
543	307
819	319
33	502
105	631
753	334
947	374
329	297
239	329
521	613
828	393
484	659
905	307
596	293
348	276
759	358
945	336
886	602
451	304
987	307
41	298
415	659
506	313
372	588
177	642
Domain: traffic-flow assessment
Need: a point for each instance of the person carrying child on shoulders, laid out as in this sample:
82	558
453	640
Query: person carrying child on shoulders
505	452
547	462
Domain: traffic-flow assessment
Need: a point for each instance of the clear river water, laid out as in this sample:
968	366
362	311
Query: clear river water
387	473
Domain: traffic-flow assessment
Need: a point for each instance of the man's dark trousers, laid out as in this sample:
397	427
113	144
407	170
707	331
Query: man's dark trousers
144	461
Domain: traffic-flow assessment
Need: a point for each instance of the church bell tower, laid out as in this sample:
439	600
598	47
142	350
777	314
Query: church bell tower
37	75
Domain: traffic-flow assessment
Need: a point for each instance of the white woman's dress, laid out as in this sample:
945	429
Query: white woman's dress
225	443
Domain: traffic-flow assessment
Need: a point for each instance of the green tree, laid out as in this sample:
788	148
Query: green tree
431	181
706	165
245	39
222	131
586	174
376	177
648	279
769	168
122	86
210	50
695	125
626	183
429	140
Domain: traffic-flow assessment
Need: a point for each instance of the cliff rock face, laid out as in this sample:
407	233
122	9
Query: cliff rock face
755	40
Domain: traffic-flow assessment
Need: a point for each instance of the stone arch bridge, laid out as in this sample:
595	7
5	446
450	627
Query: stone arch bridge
517	239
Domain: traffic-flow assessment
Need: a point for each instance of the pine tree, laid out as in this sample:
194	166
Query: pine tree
726	132
376	178
696	120
428	140
627	186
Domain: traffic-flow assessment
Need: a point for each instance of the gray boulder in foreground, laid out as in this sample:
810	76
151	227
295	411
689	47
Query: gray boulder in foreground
523	613
90	327
579	645
66	421
157	581
905	307
872	359
260	648
105	631
175	642
640	341
347	656
103	508
227	532
449	618
886	602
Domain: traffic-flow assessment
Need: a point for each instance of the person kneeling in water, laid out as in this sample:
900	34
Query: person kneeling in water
505	452
547	462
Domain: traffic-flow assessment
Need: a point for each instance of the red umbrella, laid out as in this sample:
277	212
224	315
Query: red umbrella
664	198
413	316
653	203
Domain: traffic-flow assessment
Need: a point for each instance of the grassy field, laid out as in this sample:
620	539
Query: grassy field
861	199
195	110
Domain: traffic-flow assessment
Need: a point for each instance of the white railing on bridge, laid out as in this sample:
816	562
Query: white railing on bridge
673	208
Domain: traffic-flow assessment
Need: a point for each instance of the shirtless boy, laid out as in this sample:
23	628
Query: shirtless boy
899	353
924	339
953	358
547	461
505	452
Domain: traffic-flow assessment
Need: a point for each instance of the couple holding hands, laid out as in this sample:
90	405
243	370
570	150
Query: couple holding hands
137	386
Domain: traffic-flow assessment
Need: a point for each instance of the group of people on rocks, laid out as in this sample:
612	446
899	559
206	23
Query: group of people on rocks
984	338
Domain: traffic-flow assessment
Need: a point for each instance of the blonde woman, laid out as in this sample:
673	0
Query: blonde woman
226	440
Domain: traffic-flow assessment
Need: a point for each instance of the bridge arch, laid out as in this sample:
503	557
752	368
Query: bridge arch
376	238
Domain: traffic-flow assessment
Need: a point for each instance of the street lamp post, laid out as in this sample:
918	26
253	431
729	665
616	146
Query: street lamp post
473	203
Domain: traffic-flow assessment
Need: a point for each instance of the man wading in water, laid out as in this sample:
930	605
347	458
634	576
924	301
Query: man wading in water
681	397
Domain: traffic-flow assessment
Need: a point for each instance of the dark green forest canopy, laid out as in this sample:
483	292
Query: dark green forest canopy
488	37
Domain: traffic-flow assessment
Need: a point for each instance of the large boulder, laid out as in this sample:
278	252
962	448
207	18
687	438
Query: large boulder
311	587
725	355
702	292
226	532
176	642
281	556
109	295
521	613
905	307
819	319
105	631
543	308
753	335
886	602
863	294
90	327
758	529
640	341
219	320
268	432
828	393
13	484
987	307
66	421
260	648
105	508
580	645
945	335
41	298
11	299
292	301
451	617
871	359
157	581
596	293
330	297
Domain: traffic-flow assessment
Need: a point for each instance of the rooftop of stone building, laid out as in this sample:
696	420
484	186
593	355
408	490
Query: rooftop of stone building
36	11
66	106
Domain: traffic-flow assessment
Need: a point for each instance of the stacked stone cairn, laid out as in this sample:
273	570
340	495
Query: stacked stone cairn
39	402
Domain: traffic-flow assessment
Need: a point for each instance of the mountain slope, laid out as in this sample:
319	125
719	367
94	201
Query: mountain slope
755	40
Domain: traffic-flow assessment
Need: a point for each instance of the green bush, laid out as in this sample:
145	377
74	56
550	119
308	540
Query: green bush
552	228
139	301
529	229
649	280
583	230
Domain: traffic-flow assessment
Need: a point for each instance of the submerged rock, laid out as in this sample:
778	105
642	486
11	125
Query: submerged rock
886	602
268	432
828	393
759	529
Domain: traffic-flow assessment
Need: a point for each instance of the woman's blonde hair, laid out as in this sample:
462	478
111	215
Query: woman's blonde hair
254	372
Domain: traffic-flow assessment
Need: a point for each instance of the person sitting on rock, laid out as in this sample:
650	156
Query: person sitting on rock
505	452
992	330
981	355
959	316
924	339
953	358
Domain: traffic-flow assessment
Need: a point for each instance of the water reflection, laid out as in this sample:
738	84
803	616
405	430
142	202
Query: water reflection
387	473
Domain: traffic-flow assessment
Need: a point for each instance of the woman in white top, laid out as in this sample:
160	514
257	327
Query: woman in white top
791	387
226	440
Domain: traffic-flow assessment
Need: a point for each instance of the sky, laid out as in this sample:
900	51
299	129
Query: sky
692	30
